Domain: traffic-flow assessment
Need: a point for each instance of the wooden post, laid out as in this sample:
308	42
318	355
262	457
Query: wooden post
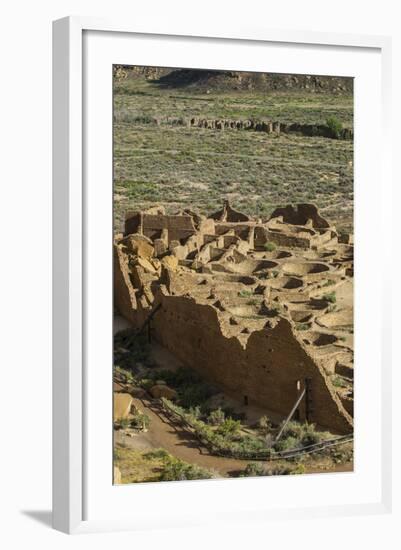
294	408
308	399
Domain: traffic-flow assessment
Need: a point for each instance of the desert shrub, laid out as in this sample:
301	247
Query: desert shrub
125	374
248	443
253	469
217	417
334	126
140	421
245	293
302	326
310	436
269	247
285	470
338	382
293	429
230	412
340	454
264	423
157	454
330	297
195	413
229	427
287	444
177	470
122	423
297	436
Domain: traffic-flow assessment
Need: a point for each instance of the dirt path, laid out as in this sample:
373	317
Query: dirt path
177	441
182	444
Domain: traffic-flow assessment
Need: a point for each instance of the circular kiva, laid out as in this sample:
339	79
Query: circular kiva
342	318
304	268
248	266
319	339
285	283
303	316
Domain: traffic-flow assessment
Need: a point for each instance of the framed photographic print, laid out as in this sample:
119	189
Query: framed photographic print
219	337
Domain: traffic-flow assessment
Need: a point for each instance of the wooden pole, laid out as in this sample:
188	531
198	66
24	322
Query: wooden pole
294	408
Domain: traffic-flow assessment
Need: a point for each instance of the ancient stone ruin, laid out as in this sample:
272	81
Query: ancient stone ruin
261	308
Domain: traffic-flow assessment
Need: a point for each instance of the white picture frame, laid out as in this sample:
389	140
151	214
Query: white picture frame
72	425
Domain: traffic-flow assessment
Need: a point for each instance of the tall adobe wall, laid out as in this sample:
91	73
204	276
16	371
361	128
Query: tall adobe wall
266	371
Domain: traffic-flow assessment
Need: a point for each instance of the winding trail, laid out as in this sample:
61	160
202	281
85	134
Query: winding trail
177	441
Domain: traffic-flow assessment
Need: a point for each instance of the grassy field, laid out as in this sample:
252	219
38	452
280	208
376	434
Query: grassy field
184	167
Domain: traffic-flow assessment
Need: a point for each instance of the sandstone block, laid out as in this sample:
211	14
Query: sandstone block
122	405
162	390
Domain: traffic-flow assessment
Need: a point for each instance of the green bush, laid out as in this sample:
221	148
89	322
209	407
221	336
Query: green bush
125	374
157	453
297	436
269	247
177	470
302	326
334	126
229	427
293	429
330	297
287	444
253	469
338	382
195	413
140	421
285	470
310	436
245	293
217	417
